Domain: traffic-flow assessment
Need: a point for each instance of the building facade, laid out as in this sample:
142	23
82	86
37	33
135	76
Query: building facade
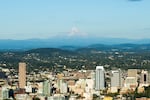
22	75
144	77
99	80
116	78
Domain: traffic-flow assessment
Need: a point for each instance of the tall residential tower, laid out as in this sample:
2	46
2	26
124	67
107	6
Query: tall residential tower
116	78
22	75
99	80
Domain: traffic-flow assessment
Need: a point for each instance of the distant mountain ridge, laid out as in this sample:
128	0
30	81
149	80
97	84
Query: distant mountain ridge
50	51
65	43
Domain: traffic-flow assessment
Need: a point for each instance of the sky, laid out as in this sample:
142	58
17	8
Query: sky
27	19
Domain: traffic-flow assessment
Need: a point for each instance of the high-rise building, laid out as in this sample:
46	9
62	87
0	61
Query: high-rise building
144	77
149	77
22	75
116	78
131	82
99	80
3	93
132	72
62	86
46	88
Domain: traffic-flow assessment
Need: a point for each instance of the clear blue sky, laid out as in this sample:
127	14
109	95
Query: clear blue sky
24	19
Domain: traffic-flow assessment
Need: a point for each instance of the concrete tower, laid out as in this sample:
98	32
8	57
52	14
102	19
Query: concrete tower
116	78
22	75
144	77
99	80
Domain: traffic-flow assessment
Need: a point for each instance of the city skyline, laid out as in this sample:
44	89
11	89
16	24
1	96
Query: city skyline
46	19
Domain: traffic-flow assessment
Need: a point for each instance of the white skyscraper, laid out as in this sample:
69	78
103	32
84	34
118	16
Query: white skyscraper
99	80
116	78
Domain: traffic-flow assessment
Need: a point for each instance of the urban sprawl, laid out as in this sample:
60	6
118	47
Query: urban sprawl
71	84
